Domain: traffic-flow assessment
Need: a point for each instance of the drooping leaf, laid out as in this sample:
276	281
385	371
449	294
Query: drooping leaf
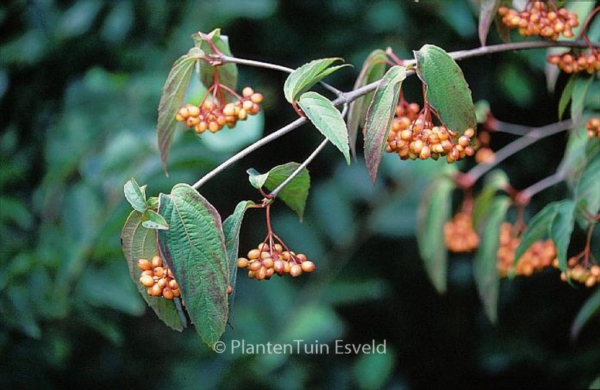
228	73
294	194
372	70
140	243
434	211
135	195
194	248
153	220
587	194
231	230
485	269
580	89
494	181
487	13
561	229
590	308
171	100
566	96
575	156
303	78
380	115
327	119
538	227
447	90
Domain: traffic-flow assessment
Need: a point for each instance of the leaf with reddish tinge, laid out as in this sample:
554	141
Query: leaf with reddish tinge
372	70
380	115
171	100
194	248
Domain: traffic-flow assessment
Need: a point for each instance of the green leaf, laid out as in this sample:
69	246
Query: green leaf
485	269
140	243
538	227
494	181
447	90
575	156
153	220
566	96
294	194
372	70
194	248
228	73
303	78
590	308
327	119
487	13
587	195
171	100
561	229
231	230
434	211
580	89
379	117
135	195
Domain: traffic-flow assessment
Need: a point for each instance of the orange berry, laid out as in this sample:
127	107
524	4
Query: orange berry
144	264
242	262
295	270
308	266
168	294
254	254
156	261
147	281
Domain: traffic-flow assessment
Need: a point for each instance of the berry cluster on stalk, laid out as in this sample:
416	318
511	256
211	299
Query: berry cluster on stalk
540	255
459	234
266	260
214	112
540	18
577	61
413	135
158	279
584	273
592	128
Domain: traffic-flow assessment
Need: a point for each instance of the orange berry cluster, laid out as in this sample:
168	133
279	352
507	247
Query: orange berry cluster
158	279
577	62
413	136
264	261
540	18
213	116
459	234
589	276
593	128
541	254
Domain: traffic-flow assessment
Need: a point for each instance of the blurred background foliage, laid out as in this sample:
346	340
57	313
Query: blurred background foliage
80	83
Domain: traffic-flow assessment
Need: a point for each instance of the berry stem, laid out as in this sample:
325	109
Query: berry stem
526	194
519	144
588	20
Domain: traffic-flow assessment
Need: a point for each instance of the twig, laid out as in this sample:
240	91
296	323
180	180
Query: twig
517	145
249	149
314	154
347	97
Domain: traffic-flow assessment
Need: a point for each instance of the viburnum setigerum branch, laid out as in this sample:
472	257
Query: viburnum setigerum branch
517	145
523	196
348	97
